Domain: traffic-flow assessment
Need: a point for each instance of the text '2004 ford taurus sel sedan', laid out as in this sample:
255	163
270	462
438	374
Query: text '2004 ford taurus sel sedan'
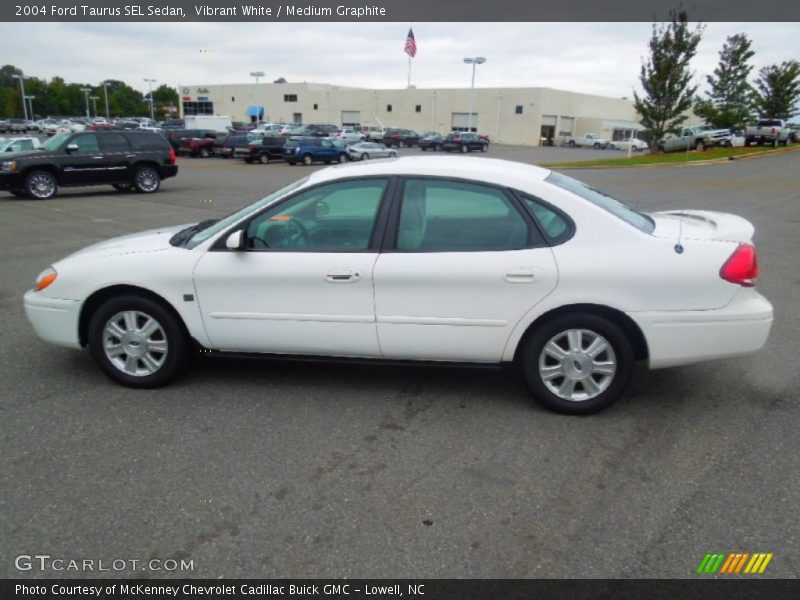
421	259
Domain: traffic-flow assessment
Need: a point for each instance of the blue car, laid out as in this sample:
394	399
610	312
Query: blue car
313	149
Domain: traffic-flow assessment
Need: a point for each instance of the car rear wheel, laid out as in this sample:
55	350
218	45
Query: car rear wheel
365	156
41	185
464	149
484	147
146	180
291	163
204	153
577	363
392	154
307	159
137	342
571	143
264	159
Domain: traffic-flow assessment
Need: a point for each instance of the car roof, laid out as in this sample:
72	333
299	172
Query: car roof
491	170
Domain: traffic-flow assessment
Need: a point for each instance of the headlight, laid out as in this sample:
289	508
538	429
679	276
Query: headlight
45	278
8	165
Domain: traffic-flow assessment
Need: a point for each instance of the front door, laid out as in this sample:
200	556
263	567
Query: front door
304	284
466	266
86	164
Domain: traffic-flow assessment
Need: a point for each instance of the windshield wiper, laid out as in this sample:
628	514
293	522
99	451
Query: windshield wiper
184	235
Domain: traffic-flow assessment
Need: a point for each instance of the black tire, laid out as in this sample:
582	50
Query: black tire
365	156
204	153
392	154
307	159
571	143
249	161
291	163
533	351
464	149
423	148
264	159
122	187
484	147
342	158
596	146
146	179
40	185
171	331
699	146
662	149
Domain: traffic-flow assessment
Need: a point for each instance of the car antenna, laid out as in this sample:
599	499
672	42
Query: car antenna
679	246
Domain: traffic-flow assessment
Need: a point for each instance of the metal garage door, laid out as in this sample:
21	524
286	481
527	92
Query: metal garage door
461	122
567	126
549	120
351	118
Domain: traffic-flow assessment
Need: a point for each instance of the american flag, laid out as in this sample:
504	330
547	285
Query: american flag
411	44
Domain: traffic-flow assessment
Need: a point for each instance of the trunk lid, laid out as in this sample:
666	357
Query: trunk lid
702	225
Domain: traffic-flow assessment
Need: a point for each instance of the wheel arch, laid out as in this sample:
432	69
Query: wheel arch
619	318
94	301
52	169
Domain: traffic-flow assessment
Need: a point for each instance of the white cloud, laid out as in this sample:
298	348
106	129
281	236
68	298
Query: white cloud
599	58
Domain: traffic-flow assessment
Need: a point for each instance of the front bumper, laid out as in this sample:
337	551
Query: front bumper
54	320
11	180
686	337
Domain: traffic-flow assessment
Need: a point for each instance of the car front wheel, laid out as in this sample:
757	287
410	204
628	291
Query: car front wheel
307	160
464	149
41	185
343	158
263	159
146	180
137	342
577	363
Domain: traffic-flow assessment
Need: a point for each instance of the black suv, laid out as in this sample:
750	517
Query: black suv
263	149
123	159
463	141
322	130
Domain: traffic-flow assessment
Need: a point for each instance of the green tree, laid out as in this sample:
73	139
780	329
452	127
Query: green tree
665	76
729	101
778	91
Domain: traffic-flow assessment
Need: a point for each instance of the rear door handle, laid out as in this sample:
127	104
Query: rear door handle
343	276
522	275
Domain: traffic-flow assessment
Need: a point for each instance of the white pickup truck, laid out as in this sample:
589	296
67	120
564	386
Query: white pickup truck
590	140
767	131
696	138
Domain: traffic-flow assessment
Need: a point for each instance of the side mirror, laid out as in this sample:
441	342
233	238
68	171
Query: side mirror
236	241
72	147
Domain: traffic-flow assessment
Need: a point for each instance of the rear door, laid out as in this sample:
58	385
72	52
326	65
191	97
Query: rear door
463	265
119	156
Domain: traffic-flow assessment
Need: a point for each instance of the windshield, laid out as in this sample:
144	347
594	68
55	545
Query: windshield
55	142
218	226
604	201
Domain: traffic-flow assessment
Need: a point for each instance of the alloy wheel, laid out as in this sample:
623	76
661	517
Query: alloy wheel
135	343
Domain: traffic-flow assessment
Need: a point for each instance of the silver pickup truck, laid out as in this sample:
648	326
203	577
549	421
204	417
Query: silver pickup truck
767	131
696	138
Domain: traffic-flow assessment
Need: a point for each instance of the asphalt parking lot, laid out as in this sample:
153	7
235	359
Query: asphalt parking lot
282	469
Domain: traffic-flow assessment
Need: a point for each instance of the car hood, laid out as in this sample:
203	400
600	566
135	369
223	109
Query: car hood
702	225
154	240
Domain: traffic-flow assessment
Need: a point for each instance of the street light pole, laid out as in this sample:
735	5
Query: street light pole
105	89
259	113
22	89
150	83
478	60
86	93
30	101
94	100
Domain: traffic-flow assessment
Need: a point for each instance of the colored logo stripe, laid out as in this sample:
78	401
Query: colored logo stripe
734	563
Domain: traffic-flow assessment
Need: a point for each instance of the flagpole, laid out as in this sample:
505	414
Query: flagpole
409	71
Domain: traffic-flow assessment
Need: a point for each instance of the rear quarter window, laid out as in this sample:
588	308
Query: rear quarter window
145	142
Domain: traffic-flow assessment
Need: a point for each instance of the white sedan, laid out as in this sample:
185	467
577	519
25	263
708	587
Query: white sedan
444	259
634	143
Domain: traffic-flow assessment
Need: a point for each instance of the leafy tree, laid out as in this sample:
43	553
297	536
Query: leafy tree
778	90
164	94
729	101
665	76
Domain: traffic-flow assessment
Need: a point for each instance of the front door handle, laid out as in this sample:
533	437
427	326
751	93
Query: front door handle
343	276
522	275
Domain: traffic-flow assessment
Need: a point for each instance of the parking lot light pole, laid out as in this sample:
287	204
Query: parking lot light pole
150	83
86	92
105	89
259	114
478	60
30	100
22	89
94	100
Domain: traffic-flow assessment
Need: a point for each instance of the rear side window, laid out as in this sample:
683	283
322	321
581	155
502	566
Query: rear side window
115	142
147	141
451	216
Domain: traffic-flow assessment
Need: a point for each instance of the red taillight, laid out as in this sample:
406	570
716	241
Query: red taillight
742	266
171	155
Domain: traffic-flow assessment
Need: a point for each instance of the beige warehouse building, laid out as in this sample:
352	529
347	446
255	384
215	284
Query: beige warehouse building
519	116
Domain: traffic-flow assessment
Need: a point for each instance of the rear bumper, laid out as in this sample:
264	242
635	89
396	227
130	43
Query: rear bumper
166	171
54	320
685	337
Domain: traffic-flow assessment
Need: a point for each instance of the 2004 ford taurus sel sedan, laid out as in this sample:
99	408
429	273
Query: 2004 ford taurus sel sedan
421	259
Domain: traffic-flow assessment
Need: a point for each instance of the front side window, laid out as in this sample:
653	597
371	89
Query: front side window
86	143
338	217
450	216
604	201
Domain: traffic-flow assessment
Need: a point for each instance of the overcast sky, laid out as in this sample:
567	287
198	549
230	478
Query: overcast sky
597	58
